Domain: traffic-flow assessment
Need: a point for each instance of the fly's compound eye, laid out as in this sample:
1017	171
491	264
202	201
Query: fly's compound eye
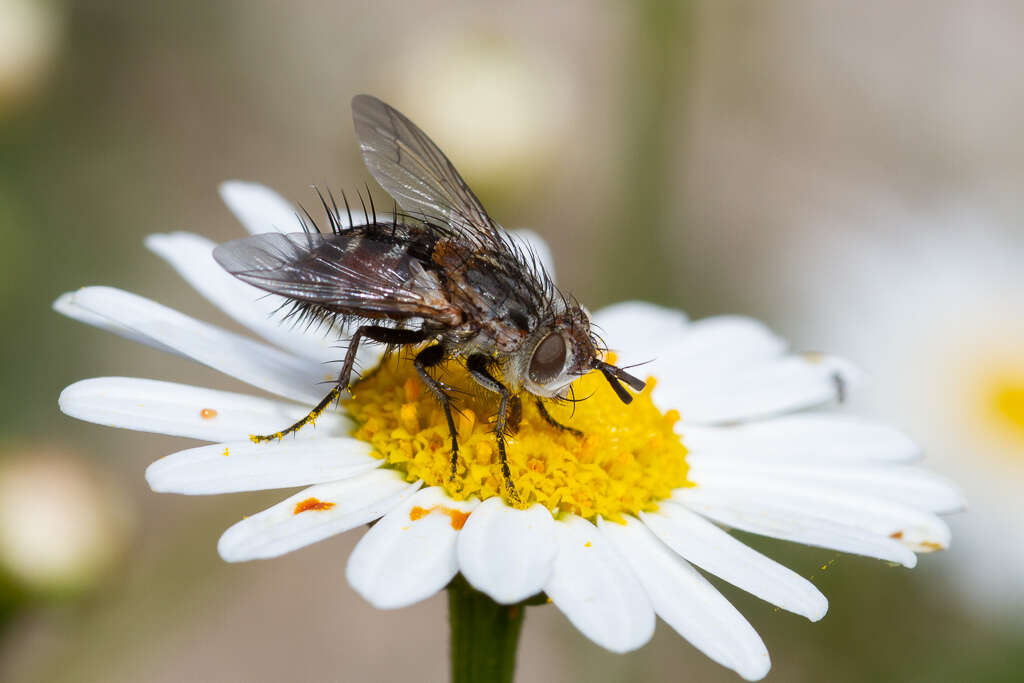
548	359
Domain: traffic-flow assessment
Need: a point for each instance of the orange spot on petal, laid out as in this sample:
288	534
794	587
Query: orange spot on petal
896	534
458	517
312	504
207	413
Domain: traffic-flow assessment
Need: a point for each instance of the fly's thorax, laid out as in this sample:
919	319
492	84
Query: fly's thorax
498	293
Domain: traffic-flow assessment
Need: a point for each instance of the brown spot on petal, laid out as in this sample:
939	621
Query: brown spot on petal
312	504
896	534
458	517
207	413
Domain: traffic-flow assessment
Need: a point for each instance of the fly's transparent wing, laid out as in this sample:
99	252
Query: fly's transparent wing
415	172
346	272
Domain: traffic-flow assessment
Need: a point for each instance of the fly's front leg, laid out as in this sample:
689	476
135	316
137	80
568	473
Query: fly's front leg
428	358
478	369
375	333
542	409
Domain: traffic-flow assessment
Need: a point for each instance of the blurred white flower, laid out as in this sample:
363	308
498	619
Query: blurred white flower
60	530
935	312
30	32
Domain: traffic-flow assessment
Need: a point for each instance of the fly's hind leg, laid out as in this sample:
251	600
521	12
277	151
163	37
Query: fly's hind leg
428	358
377	333
542	409
478	369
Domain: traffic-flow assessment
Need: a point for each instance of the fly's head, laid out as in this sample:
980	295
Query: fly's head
562	349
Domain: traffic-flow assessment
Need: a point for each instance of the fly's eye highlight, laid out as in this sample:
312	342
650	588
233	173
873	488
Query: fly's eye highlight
548	358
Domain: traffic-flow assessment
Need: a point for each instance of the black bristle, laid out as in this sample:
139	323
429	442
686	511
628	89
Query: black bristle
373	209
348	209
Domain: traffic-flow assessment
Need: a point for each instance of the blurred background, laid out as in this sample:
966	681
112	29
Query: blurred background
850	173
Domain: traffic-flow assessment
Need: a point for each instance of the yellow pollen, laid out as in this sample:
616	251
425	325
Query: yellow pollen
627	460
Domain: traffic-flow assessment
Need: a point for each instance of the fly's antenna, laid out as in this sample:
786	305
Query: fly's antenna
616	377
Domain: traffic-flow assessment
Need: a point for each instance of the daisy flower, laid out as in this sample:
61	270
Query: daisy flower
937	309
615	526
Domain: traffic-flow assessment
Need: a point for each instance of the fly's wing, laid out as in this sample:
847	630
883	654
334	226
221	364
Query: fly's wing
345	272
416	173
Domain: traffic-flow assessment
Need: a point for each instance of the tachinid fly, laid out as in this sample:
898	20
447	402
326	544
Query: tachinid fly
440	276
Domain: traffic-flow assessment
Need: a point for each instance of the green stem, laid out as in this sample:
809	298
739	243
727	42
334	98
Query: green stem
484	635
656	79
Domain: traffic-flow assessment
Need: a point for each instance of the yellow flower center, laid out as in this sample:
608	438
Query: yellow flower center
627	459
1007	404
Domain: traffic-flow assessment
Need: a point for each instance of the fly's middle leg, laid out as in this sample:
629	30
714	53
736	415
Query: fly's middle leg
428	358
478	369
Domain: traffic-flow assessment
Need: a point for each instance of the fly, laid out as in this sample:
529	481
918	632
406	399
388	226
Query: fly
440	276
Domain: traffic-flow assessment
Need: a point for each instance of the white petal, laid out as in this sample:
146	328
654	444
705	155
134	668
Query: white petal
639	331
180	410
508	553
248	466
262	210
192	256
297	521
689	603
904	484
596	590
718	553
720	344
917	529
770	519
811	436
535	245
250	361
756	390
259	208
410	554
66	305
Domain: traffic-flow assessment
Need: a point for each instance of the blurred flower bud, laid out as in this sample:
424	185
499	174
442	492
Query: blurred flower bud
496	109
30	32
61	528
